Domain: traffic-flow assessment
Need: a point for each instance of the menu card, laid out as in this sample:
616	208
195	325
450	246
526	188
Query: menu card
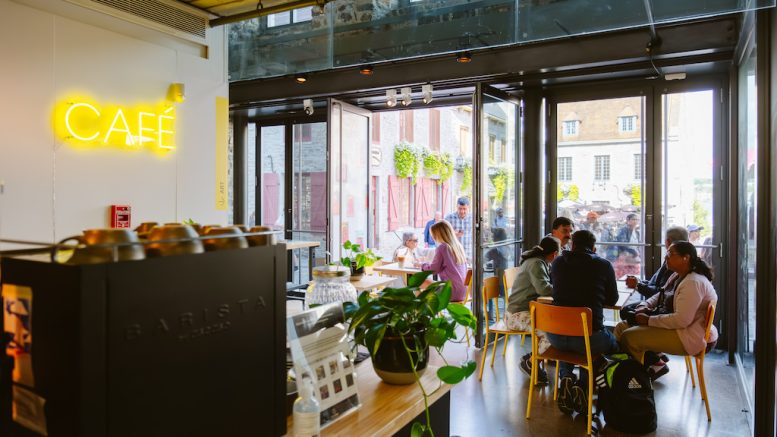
320	350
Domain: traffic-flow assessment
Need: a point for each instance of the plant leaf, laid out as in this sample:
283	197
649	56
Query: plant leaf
349	308
417	279
455	374
436	337
444	297
462	315
363	299
417	429
347	245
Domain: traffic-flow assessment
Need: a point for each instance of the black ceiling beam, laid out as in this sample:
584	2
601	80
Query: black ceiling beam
606	51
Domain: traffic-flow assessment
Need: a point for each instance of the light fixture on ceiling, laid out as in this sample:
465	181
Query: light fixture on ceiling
407	98
464	57
391	98
366	70
301	78
674	76
307	105
426	92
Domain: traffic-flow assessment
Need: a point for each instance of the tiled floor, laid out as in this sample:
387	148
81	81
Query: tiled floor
497	405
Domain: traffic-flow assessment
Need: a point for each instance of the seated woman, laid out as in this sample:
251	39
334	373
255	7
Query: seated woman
407	252
680	332
533	281
449	262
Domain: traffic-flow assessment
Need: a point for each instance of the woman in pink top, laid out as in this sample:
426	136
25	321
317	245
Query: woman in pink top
449	260
682	331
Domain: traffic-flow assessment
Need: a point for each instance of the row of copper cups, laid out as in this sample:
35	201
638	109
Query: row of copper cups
153	240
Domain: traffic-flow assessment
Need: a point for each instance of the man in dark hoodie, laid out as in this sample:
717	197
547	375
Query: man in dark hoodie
582	279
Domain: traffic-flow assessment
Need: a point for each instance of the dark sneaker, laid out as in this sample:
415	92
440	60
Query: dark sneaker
658	371
663	357
525	365
579	400
564	401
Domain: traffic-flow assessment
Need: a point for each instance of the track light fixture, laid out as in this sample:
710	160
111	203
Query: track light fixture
301	78
366	70
464	57
426	92
307	105
407	98
391	98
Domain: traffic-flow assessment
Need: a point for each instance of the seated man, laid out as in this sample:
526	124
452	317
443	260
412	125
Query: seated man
582	279
659	278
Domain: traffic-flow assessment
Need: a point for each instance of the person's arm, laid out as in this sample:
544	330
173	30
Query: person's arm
610	285
650	287
687	299
540	280
439	259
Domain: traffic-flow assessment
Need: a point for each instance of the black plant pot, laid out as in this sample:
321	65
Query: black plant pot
356	274
392	364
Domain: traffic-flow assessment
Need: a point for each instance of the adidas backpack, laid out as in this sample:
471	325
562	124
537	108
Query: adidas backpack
626	395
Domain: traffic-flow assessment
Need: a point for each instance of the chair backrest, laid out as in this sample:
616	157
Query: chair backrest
562	320
491	291
710	318
468	278
509	277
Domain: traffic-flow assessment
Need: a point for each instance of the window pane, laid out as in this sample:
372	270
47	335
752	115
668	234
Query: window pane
273	151
597	188
250	180
278	19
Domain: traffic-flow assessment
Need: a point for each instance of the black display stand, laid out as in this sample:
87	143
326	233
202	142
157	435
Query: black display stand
190	345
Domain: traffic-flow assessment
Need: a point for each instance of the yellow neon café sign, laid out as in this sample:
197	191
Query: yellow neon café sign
83	123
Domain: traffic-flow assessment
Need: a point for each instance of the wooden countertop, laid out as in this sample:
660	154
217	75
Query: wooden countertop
297	244
385	408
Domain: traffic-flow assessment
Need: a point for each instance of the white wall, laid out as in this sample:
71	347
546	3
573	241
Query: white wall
50	189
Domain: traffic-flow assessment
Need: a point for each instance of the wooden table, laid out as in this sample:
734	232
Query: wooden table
396	270
624	294
387	409
371	282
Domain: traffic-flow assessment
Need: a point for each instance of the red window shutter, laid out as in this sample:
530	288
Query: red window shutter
393	202
429	194
376	128
318	201
418	201
406	126
434	129
444	189
270	189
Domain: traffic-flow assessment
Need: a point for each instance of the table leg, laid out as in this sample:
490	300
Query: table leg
312	259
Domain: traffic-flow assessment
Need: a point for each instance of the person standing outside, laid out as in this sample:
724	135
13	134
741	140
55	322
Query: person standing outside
582	279
500	221
629	233
461	221
428	229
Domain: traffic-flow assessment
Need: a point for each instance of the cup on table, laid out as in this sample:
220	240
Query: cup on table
631	281
401	260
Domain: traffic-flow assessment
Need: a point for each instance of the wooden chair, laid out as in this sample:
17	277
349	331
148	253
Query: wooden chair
570	321
507	280
699	358
491	291
467	299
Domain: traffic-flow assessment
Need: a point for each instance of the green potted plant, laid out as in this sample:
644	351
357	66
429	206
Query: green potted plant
399	326
356	259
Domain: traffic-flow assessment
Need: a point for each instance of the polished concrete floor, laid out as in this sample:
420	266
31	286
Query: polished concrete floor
497	405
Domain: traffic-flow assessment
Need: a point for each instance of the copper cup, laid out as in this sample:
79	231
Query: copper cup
261	240
203	230
95	247
243	228
236	242
189	243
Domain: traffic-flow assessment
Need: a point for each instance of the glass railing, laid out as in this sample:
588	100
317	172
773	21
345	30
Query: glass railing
355	32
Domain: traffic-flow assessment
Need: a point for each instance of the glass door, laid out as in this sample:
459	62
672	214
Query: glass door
600	176
497	203
349	145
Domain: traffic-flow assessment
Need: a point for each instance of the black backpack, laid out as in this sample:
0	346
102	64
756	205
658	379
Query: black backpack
626	395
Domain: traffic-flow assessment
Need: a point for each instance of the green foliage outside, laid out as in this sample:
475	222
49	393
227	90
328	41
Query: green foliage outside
407	161
466	180
700	215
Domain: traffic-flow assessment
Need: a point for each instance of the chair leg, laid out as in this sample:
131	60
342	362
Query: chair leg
523	338
703	386
590	398
493	349
555	387
689	369
531	384
484	352
504	349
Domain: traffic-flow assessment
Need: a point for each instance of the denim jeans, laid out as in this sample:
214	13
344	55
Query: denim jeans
602	342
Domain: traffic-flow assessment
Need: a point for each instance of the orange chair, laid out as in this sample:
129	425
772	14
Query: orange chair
699	358
491	291
571	321
508	278
467	283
